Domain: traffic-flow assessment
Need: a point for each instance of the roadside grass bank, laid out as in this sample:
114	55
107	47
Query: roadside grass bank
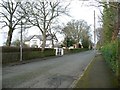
97	75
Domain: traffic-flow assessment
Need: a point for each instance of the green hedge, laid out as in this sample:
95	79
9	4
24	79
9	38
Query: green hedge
68	51
6	49
110	53
78	50
12	54
38	54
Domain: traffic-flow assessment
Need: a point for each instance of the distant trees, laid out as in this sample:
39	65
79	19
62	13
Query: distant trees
16	43
77	30
68	41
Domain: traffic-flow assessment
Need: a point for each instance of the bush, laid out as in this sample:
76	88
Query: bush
12	54
74	50
110	54
78	50
6	49
10	49
38	54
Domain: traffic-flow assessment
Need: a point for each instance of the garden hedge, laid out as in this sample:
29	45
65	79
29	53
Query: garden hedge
110	53
12	54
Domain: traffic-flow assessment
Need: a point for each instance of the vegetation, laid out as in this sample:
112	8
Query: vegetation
16	43
110	54
12	54
10	17
35	13
43	14
108	35
76	31
77	50
68	41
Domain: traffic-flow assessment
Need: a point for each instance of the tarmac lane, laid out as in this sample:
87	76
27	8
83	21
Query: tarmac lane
58	72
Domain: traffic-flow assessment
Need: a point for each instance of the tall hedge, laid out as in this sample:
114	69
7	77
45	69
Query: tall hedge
12	54
110	53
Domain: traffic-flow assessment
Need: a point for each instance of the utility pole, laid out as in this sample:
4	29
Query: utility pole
21	43
94	32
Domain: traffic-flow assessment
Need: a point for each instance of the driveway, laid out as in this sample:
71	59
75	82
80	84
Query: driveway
51	73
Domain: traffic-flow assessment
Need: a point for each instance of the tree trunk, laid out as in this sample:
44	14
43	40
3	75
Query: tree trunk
44	42
9	38
52	42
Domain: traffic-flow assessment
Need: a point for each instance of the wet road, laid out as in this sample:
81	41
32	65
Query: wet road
52	73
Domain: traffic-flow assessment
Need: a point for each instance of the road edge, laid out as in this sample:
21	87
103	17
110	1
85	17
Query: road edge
81	75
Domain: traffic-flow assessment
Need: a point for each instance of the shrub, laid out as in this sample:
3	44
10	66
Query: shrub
38	54
74	50
110	54
12	54
10	49
6	49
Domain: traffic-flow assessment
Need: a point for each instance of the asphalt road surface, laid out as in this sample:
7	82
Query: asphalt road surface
58	72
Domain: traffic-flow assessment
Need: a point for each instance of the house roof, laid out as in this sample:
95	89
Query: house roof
49	37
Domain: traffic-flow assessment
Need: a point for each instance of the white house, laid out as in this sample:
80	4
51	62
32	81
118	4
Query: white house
36	41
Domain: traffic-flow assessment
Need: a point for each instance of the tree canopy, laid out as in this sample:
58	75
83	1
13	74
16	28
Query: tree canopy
77	30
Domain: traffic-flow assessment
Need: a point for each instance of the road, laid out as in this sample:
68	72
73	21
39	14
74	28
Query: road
58	72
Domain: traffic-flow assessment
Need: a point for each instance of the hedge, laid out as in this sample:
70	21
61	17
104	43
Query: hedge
6	49
12	54
68	51
110	53
78	50
38	54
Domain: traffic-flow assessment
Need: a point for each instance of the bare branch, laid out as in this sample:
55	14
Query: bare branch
4	15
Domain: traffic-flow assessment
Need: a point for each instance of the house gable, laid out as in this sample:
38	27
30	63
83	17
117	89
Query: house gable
38	39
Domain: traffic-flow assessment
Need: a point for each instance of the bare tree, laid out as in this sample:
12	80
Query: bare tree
42	14
77	30
10	17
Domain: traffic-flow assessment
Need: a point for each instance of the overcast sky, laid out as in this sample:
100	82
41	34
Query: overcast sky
78	10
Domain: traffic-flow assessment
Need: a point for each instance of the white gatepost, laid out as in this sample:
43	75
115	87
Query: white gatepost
59	52
56	53
62	51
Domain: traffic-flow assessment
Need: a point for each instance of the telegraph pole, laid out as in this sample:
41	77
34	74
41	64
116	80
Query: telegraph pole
21	43
94	32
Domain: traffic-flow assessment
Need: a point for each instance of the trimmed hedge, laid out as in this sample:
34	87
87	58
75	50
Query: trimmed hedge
38	54
68	51
6	49
12	54
78	50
